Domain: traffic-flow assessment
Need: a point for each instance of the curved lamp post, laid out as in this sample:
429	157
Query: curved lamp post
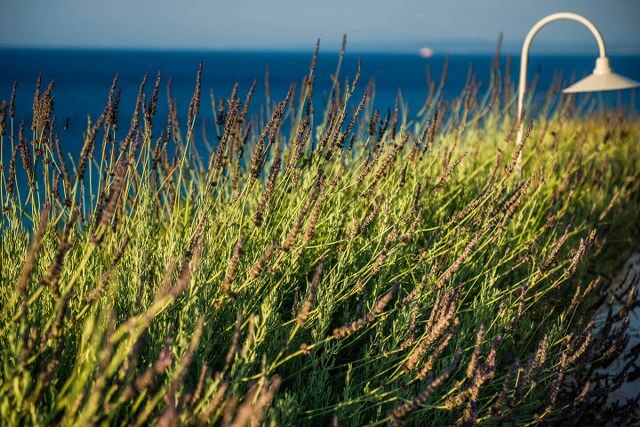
602	78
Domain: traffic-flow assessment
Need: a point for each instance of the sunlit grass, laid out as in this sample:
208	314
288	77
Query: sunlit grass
317	266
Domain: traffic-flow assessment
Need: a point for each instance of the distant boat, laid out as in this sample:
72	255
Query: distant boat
426	52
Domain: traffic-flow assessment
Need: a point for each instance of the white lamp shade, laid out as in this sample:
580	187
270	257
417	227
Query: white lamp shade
602	79
601	82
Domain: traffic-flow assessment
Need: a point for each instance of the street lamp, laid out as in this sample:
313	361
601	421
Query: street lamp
602	78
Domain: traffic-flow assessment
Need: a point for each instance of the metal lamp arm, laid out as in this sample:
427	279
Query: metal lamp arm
524	57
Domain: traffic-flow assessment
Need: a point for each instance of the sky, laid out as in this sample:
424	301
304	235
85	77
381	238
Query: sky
448	26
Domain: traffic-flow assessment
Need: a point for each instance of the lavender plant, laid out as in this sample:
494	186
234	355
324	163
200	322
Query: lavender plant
317	266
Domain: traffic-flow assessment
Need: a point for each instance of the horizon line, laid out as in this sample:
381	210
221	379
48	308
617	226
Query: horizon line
437	51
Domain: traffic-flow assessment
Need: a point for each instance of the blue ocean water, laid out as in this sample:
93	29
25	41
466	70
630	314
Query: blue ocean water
82	78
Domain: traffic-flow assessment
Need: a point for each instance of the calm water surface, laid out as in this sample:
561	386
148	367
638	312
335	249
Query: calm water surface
82	77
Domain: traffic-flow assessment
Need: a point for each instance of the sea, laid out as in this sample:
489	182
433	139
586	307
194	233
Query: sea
83	77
